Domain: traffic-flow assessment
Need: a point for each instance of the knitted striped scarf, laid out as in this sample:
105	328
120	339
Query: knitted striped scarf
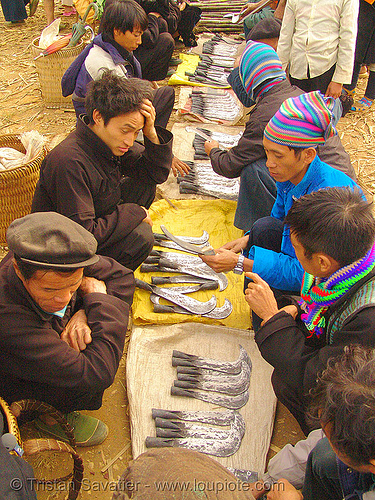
320	293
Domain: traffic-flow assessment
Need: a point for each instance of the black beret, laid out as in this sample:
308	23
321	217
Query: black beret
48	239
265	29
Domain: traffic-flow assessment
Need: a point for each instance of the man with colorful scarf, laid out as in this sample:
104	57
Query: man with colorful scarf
266	85
290	141
332	232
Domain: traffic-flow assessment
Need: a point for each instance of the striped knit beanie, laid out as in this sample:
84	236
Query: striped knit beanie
302	121
259	64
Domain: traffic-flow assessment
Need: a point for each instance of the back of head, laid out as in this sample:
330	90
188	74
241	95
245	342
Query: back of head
113	95
344	399
123	15
335	221
266	29
170	473
303	121
259	65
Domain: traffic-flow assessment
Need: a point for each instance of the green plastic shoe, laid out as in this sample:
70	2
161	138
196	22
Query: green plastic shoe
88	431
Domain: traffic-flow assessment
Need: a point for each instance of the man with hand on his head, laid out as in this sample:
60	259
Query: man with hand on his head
104	180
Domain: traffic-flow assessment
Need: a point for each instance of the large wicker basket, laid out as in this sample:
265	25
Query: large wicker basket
17	185
51	69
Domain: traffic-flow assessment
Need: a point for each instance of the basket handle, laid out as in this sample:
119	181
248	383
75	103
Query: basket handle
33	446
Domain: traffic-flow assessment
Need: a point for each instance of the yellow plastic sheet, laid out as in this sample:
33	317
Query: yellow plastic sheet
189	64
191	218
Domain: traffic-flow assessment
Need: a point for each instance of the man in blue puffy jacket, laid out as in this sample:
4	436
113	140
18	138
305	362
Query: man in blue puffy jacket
290	141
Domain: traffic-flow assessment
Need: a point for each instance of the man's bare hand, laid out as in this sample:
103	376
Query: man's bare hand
223	261
178	166
149	131
290	309
258	489
248	9
91	285
210	145
334	90
237	245
147	218
77	332
260	297
283	490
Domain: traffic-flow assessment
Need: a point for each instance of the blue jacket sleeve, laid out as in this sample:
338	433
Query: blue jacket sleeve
277	269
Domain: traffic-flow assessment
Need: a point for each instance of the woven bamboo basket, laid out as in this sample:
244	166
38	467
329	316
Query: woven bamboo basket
50	71
17	185
35	446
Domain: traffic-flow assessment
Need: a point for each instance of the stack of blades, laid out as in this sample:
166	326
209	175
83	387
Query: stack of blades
172	262
216	107
174	429
222	383
203	180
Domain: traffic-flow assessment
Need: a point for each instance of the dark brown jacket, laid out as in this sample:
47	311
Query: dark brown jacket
36	363
81	179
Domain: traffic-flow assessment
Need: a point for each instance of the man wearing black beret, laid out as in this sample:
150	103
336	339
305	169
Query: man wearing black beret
64	314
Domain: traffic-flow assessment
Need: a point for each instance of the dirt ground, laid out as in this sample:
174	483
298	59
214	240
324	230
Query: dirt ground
22	109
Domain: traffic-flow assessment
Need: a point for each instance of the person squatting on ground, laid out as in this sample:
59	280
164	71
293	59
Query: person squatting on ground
269	10
64	314
317	43
342	464
290	141
121	29
266	84
154	47
99	177
332	231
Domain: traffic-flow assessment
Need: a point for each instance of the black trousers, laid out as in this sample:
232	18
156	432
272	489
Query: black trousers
320	82
155	60
163	103
14	10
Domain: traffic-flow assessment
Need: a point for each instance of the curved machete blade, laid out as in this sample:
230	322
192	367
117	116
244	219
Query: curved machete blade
187	429
205	417
231	402
188	247
218	313
227	384
229	367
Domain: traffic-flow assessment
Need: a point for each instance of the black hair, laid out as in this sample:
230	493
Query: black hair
123	15
28	270
334	221
297	151
113	95
344	398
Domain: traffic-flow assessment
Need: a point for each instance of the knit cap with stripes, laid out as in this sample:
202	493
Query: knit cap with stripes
302	121
260	69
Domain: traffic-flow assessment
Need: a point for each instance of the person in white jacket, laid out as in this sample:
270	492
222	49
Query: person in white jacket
317	43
